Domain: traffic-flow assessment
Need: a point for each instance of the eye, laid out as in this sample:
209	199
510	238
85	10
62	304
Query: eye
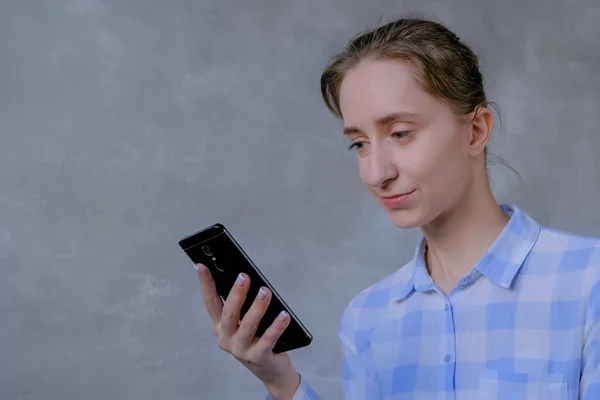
360	145
401	134
356	146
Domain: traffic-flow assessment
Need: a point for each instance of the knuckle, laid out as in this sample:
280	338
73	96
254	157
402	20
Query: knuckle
209	301
238	352
248	327
226	313
224	344
235	290
276	332
282	326
270	336
226	319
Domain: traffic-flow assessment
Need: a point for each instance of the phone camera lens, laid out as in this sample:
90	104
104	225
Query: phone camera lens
207	251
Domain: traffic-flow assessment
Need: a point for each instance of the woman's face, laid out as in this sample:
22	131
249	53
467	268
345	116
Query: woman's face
408	143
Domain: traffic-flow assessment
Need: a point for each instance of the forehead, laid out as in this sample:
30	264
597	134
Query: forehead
375	88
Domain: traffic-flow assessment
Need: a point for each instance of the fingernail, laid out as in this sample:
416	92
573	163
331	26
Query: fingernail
262	293
197	266
282	316
240	280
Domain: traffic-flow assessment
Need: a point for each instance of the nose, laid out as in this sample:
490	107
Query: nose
379	166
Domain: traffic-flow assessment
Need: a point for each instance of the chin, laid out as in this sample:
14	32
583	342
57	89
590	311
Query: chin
406	218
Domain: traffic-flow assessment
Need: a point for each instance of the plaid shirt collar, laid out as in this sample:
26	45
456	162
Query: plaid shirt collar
500	264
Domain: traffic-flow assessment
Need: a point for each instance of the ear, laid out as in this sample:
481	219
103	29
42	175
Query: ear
480	123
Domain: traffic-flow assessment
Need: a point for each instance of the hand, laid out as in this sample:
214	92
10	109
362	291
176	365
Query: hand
237	338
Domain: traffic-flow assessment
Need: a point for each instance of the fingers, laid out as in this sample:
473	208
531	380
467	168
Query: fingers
269	338
234	336
252	318
212	300
230	316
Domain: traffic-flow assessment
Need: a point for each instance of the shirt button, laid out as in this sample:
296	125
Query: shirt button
447	359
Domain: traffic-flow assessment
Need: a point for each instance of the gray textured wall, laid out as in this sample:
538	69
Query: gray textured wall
127	124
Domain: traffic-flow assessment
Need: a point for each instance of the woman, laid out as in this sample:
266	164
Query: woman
492	305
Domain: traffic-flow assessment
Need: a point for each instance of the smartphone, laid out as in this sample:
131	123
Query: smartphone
215	247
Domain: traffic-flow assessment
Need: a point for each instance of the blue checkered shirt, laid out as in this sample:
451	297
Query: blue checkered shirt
524	323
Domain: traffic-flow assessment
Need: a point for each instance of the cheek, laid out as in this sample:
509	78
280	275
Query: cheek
449	177
424	171
439	169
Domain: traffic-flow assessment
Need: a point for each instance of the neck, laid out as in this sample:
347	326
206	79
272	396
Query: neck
459	237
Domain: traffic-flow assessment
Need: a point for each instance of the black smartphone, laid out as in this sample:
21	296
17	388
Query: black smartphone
216	248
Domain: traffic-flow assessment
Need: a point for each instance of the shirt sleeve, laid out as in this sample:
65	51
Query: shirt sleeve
304	392
590	373
358	370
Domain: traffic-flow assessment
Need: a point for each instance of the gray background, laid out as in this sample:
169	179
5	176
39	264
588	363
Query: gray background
127	124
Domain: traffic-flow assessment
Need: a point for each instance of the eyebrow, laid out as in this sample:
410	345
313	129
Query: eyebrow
385	120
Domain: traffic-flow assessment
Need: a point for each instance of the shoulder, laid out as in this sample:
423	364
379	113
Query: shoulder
571	263
366	308
379	294
570	252
555	239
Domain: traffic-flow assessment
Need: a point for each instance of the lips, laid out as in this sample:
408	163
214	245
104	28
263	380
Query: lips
396	195
395	200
